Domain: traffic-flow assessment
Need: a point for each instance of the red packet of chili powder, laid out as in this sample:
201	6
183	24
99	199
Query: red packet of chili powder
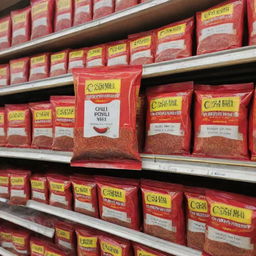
105	128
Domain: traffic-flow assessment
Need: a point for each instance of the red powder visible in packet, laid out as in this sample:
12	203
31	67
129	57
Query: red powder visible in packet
18	125
39	67
220	27
103	8
39	188
83	11
118	201
124	4
21	21
105	129
19	70
63	14
5	32
42	125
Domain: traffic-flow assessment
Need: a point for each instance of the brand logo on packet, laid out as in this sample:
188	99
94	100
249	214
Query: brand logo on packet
144	253
3	71
63	4
37	249
4	26
116	49
16	116
83	190
38	60
49	253
1	118
39	8
17	181
197	205
233	213
102	86
158	199
57	57
65	112
6	236
19	18
4	180
63	234
113	194
43	114
94	52
178	29
37	184
18	240
59	187
19	64
166	104
144	41
87	242
217	12
76	54
229	104
111	249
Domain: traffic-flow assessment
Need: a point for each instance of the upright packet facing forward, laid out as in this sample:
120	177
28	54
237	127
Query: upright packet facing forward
18	125
19	70
175	40
117	53
220	27
5	32
118	201
83	11
42	131
39	188
96	56
231	227
76	59
42	18
4	184
105	128
251	7
21	22
37	246
102	8
221	120
20	241
2	127
6	236
168	119
252	128
63	14
39	67
59	63
4	75
162	210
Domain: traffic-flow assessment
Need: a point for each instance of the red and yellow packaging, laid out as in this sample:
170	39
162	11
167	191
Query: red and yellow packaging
39	67
63	122
37	246
60	191
4	74
251	10
39	188
63	14
220	27
174	40
142	48
141	250
19	186
83	11
231	227
87	242
19	70
103	8
65	236
42	18
96	56
163	210
252	129
77	59
221	120
4	184
168	119
18	125
85	195
6	237
114	246
117	53
118	201
53	250
5	32
105	128
21	21
2	127
197	217
124	4
20	241
42	121
59	63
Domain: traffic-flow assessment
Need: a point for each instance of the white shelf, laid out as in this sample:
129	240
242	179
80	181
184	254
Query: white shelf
40	229
207	167
117	230
5	252
219	59
115	25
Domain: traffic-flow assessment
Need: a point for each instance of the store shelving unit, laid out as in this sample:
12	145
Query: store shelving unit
40	229
5	252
